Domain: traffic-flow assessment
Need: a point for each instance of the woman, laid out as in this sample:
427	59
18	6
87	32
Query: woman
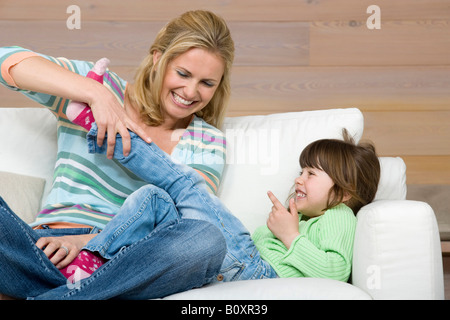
179	95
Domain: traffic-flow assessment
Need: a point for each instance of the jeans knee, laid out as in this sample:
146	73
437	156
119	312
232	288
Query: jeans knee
211	242
151	190
9	220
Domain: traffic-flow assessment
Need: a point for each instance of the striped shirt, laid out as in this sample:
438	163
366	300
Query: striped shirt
89	189
324	248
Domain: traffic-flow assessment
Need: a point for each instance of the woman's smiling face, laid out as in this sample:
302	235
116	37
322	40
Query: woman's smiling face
190	82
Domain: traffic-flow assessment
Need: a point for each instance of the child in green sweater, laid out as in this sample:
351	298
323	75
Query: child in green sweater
337	179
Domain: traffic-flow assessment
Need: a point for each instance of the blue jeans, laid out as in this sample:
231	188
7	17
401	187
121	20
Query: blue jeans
147	269
189	198
144	210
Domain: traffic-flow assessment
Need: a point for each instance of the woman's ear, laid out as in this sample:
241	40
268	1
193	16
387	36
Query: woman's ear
156	56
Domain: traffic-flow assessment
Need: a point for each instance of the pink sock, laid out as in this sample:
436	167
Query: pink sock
80	113
83	265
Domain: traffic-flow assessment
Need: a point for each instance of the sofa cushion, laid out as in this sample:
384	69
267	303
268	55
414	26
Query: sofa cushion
22	194
392	184
275	289
28	140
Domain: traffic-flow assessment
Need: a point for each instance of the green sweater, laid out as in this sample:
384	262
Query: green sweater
324	248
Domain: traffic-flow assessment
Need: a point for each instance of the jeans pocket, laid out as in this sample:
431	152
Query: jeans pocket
231	268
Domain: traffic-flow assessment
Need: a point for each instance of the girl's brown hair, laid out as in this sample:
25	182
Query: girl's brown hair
193	29
354	169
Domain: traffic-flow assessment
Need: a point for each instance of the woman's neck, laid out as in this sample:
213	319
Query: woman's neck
169	124
166	135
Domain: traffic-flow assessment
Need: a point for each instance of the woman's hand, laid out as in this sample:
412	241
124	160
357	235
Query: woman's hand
282	223
111	119
62	250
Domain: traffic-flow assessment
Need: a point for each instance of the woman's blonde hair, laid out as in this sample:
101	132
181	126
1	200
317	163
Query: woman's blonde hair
354	169
193	29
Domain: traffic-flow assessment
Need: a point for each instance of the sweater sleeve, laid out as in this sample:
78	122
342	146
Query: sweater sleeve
274	251
203	148
323	250
9	57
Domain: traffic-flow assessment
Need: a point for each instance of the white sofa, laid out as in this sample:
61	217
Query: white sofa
397	253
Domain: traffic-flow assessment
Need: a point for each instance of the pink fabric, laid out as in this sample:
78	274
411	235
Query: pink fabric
80	113
83	265
97	77
85	118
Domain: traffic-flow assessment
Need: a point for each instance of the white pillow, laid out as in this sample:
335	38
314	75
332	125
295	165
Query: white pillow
22	194
263	153
28	142
392	184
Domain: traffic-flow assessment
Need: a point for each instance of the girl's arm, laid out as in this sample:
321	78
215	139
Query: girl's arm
325	253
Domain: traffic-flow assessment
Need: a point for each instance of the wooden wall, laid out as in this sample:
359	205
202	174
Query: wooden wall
291	55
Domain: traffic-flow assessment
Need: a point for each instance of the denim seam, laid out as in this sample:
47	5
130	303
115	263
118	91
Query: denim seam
38	252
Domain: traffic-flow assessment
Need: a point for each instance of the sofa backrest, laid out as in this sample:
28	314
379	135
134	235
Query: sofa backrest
262	154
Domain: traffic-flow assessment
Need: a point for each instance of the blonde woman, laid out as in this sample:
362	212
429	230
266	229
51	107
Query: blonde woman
177	100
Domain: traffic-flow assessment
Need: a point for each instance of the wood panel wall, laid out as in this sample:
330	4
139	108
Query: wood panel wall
291	55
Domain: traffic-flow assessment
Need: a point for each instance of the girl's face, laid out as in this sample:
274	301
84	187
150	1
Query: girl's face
311	191
190	82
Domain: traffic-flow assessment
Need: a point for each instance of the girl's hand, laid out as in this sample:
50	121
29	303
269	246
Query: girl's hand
55	248
282	223
111	119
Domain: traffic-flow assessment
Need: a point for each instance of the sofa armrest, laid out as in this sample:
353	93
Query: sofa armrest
397	253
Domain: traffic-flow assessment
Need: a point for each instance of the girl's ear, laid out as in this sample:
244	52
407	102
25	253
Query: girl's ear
347	197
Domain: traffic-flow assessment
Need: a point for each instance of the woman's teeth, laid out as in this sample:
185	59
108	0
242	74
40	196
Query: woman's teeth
301	195
181	100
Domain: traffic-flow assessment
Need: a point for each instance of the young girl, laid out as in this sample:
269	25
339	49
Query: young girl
337	177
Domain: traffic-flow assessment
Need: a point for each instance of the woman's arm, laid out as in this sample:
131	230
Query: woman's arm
38	74
41	75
